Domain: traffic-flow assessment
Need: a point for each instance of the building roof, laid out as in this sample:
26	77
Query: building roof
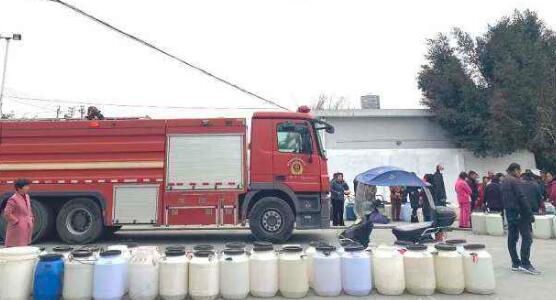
363	113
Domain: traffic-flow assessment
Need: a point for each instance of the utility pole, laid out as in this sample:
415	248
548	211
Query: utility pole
15	37
58	112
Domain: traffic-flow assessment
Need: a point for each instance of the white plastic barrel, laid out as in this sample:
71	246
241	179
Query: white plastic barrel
310	252
173	269
356	271
494	224
388	271
419	270
110	276
204	278
542	228
17	267
478	270
327	271
293	281
448	267
126	254
478	223
263	271
459	243
234	274
143	275
78	276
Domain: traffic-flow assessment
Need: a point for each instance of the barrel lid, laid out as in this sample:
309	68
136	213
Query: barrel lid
175	252
132	245
354	248
108	253
92	248
175	247
474	246
445	247
203	247
235	245
81	253
456	242
403	243
416	247
327	248
62	249
42	249
262	246
291	249
50	257
203	253
234	251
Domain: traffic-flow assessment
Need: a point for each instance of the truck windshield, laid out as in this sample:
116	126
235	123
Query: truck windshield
320	128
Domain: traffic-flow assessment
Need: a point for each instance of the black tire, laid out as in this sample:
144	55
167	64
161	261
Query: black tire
272	219
43	224
79	221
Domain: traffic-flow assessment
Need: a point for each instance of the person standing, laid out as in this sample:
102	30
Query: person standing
493	195
396	195
463	190
472	178
481	198
550	188
19	216
338	189
520	219
532	191
364	200
425	204
413	193
438	188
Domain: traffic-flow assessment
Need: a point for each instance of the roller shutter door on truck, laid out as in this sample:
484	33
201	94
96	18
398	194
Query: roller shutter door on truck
205	161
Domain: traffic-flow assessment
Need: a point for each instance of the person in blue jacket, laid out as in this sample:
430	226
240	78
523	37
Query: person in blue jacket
338	189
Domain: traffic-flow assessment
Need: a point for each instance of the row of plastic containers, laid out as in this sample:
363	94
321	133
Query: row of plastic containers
144	274
544	226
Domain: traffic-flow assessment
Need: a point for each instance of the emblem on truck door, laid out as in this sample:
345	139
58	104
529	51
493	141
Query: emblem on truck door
296	166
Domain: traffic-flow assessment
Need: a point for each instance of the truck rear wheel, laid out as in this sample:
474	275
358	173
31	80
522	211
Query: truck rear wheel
272	219
79	221
43	222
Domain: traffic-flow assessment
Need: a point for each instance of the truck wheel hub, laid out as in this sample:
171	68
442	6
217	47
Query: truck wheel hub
78	221
272	220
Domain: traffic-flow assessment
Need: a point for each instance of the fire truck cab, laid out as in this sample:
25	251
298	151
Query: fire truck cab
91	177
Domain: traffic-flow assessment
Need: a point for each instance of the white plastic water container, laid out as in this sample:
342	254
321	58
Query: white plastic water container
234	274
327	271
110	276
78	276
459	243
356	271
310	252
173	271
478	270
419	270
542	228
293	281
143	275
17	267
448	267
549	208
388	271
263	271
478	223
494	224
405	212
204	278
126	254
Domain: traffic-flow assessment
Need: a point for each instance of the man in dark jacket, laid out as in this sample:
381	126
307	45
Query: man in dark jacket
493	194
338	188
520	217
474	185
532	191
439	190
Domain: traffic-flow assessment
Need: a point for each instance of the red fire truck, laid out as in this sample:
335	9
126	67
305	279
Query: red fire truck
91	177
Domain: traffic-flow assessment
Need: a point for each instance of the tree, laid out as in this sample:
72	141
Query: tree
496	93
330	103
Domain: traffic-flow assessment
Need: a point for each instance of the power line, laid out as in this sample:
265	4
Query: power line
145	43
129	105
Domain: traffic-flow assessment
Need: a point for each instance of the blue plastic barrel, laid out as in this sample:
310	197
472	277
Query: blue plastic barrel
49	276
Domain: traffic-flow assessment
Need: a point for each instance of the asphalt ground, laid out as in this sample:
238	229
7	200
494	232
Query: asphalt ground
510	285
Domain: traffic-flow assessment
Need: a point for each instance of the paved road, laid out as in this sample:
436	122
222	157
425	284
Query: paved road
510	285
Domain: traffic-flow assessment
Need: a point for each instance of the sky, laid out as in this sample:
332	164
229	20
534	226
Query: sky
289	51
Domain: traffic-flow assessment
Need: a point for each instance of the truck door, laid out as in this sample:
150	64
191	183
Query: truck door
295	157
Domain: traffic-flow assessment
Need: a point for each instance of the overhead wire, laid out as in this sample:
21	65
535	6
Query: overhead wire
152	46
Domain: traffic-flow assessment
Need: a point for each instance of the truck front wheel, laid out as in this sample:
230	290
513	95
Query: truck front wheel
79	221
272	219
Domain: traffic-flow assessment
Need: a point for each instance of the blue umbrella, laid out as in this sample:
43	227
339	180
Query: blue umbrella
390	176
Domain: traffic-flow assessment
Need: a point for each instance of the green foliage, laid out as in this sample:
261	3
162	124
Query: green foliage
496	93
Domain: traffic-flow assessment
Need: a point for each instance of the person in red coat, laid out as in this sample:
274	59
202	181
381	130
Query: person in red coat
19	216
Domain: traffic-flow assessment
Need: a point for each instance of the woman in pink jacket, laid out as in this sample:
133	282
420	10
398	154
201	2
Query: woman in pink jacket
463	190
19	216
